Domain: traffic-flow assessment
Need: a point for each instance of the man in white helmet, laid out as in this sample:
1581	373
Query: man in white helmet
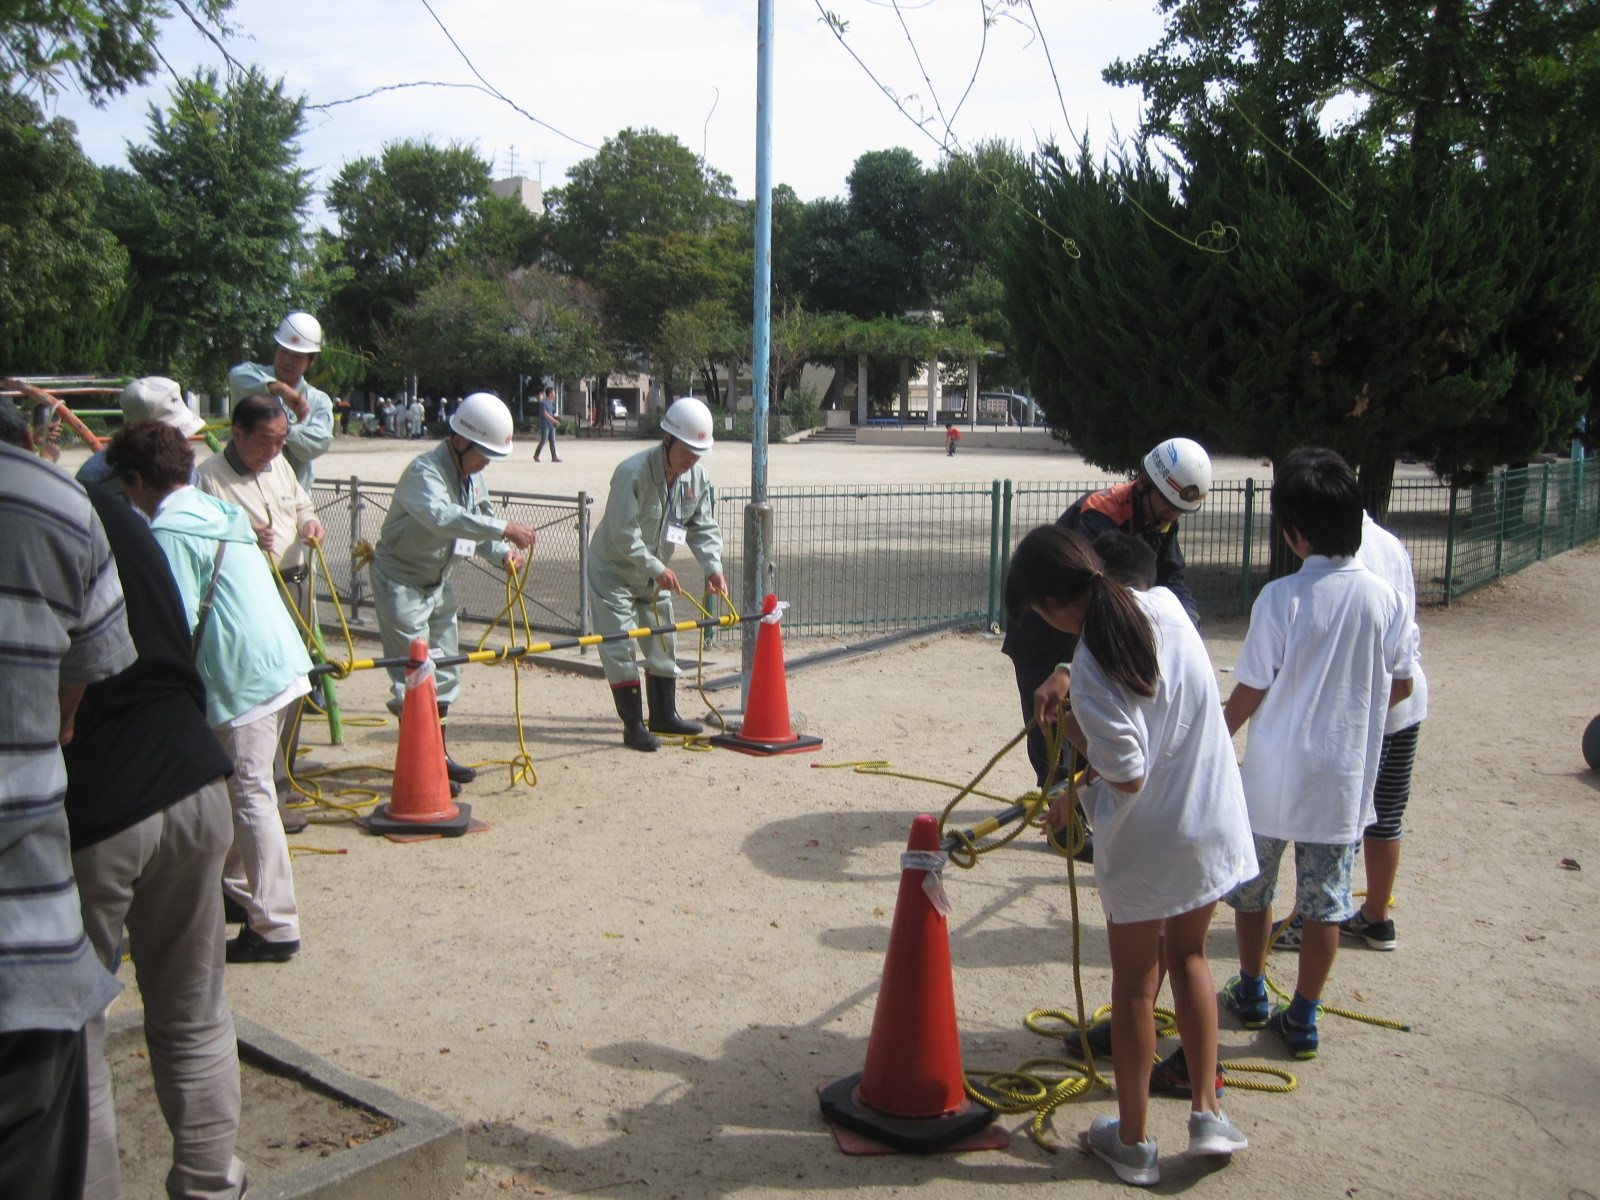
1174	481
298	342
660	498
441	514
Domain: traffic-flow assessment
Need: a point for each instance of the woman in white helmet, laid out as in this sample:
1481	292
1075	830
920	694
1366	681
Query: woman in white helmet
441	514
660	498
296	346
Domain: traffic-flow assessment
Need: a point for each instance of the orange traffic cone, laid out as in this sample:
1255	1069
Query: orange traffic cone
420	799
766	728
912	1096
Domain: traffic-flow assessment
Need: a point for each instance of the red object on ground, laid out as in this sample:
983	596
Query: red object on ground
913	1066
420	798
766	728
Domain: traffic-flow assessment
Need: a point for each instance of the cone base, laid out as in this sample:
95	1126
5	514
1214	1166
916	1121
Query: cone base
733	741
842	1106
380	821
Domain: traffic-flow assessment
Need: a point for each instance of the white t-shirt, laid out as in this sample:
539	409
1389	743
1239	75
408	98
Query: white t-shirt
1324	644
1382	554
1183	840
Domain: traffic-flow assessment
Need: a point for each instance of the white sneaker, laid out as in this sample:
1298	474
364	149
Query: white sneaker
1213	1133
1134	1164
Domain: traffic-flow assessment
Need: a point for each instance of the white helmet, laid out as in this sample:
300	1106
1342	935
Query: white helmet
1182	470
485	421
300	332
689	420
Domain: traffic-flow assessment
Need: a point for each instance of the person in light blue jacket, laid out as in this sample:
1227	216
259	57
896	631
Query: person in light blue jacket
298	342
251	658
660	498
441	514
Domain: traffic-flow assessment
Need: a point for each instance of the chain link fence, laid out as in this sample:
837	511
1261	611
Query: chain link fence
881	558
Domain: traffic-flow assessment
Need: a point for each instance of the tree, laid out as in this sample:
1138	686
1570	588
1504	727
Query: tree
1387	287
61	271
639	182
105	45
645	276
211	216
473	330
399	216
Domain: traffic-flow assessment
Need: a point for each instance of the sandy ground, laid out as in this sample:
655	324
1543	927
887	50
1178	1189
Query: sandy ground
632	983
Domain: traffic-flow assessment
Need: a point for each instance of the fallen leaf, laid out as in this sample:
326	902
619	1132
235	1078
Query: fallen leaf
813	842
444	1049
1570	864
877	912
1533	937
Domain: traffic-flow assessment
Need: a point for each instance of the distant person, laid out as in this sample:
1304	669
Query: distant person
660	498
1173	832
440	515
297	344
343	408
952	435
1329	651
147	801
47	432
419	416
62	628
153	398
252	660
548	424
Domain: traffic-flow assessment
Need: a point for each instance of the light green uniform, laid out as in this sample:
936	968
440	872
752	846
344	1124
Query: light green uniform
432	508
309	439
630	549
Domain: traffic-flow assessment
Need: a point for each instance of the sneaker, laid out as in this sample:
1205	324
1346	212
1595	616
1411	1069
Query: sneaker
1170	1077
250	947
1379	935
1301	1039
1286	933
1134	1164
1098	1036
1252	1011
1213	1133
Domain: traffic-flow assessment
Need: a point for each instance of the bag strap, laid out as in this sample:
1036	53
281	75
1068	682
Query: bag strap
208	600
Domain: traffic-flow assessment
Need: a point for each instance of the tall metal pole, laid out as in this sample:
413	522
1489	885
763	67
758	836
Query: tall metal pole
758	513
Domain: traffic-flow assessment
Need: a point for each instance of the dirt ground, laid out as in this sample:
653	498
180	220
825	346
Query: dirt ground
632	983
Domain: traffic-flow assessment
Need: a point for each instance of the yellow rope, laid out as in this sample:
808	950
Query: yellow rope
697	741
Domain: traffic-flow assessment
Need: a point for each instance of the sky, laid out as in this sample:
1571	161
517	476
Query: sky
587	69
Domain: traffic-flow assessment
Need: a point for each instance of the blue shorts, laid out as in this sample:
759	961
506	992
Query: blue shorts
1321	880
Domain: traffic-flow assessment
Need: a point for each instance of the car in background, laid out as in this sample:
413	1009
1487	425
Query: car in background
618	408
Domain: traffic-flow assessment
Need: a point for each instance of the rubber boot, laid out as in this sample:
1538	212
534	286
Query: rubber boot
664	716
630	707
456	772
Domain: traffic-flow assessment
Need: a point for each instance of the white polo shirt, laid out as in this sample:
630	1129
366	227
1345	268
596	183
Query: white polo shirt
1383	554
1183	839
1324	644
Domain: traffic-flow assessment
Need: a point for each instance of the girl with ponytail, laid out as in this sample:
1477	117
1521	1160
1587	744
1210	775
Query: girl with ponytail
1172	836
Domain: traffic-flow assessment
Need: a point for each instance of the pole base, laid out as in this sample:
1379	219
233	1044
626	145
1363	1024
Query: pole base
841	1105
732	741
380	822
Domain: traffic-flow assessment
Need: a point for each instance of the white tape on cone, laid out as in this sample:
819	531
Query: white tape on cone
420	675
776	615
931	861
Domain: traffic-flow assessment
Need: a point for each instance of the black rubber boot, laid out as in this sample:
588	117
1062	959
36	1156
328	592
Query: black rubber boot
630	707
456	772
664	716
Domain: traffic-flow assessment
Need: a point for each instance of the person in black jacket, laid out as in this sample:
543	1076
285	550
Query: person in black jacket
1174	481
150	825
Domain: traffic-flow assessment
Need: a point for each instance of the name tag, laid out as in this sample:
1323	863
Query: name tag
677	533
465	548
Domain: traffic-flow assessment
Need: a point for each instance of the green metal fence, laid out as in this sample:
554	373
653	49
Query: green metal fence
878	558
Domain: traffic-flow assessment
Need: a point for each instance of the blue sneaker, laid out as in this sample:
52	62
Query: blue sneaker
1252	1011
1134	1164
1301	1039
